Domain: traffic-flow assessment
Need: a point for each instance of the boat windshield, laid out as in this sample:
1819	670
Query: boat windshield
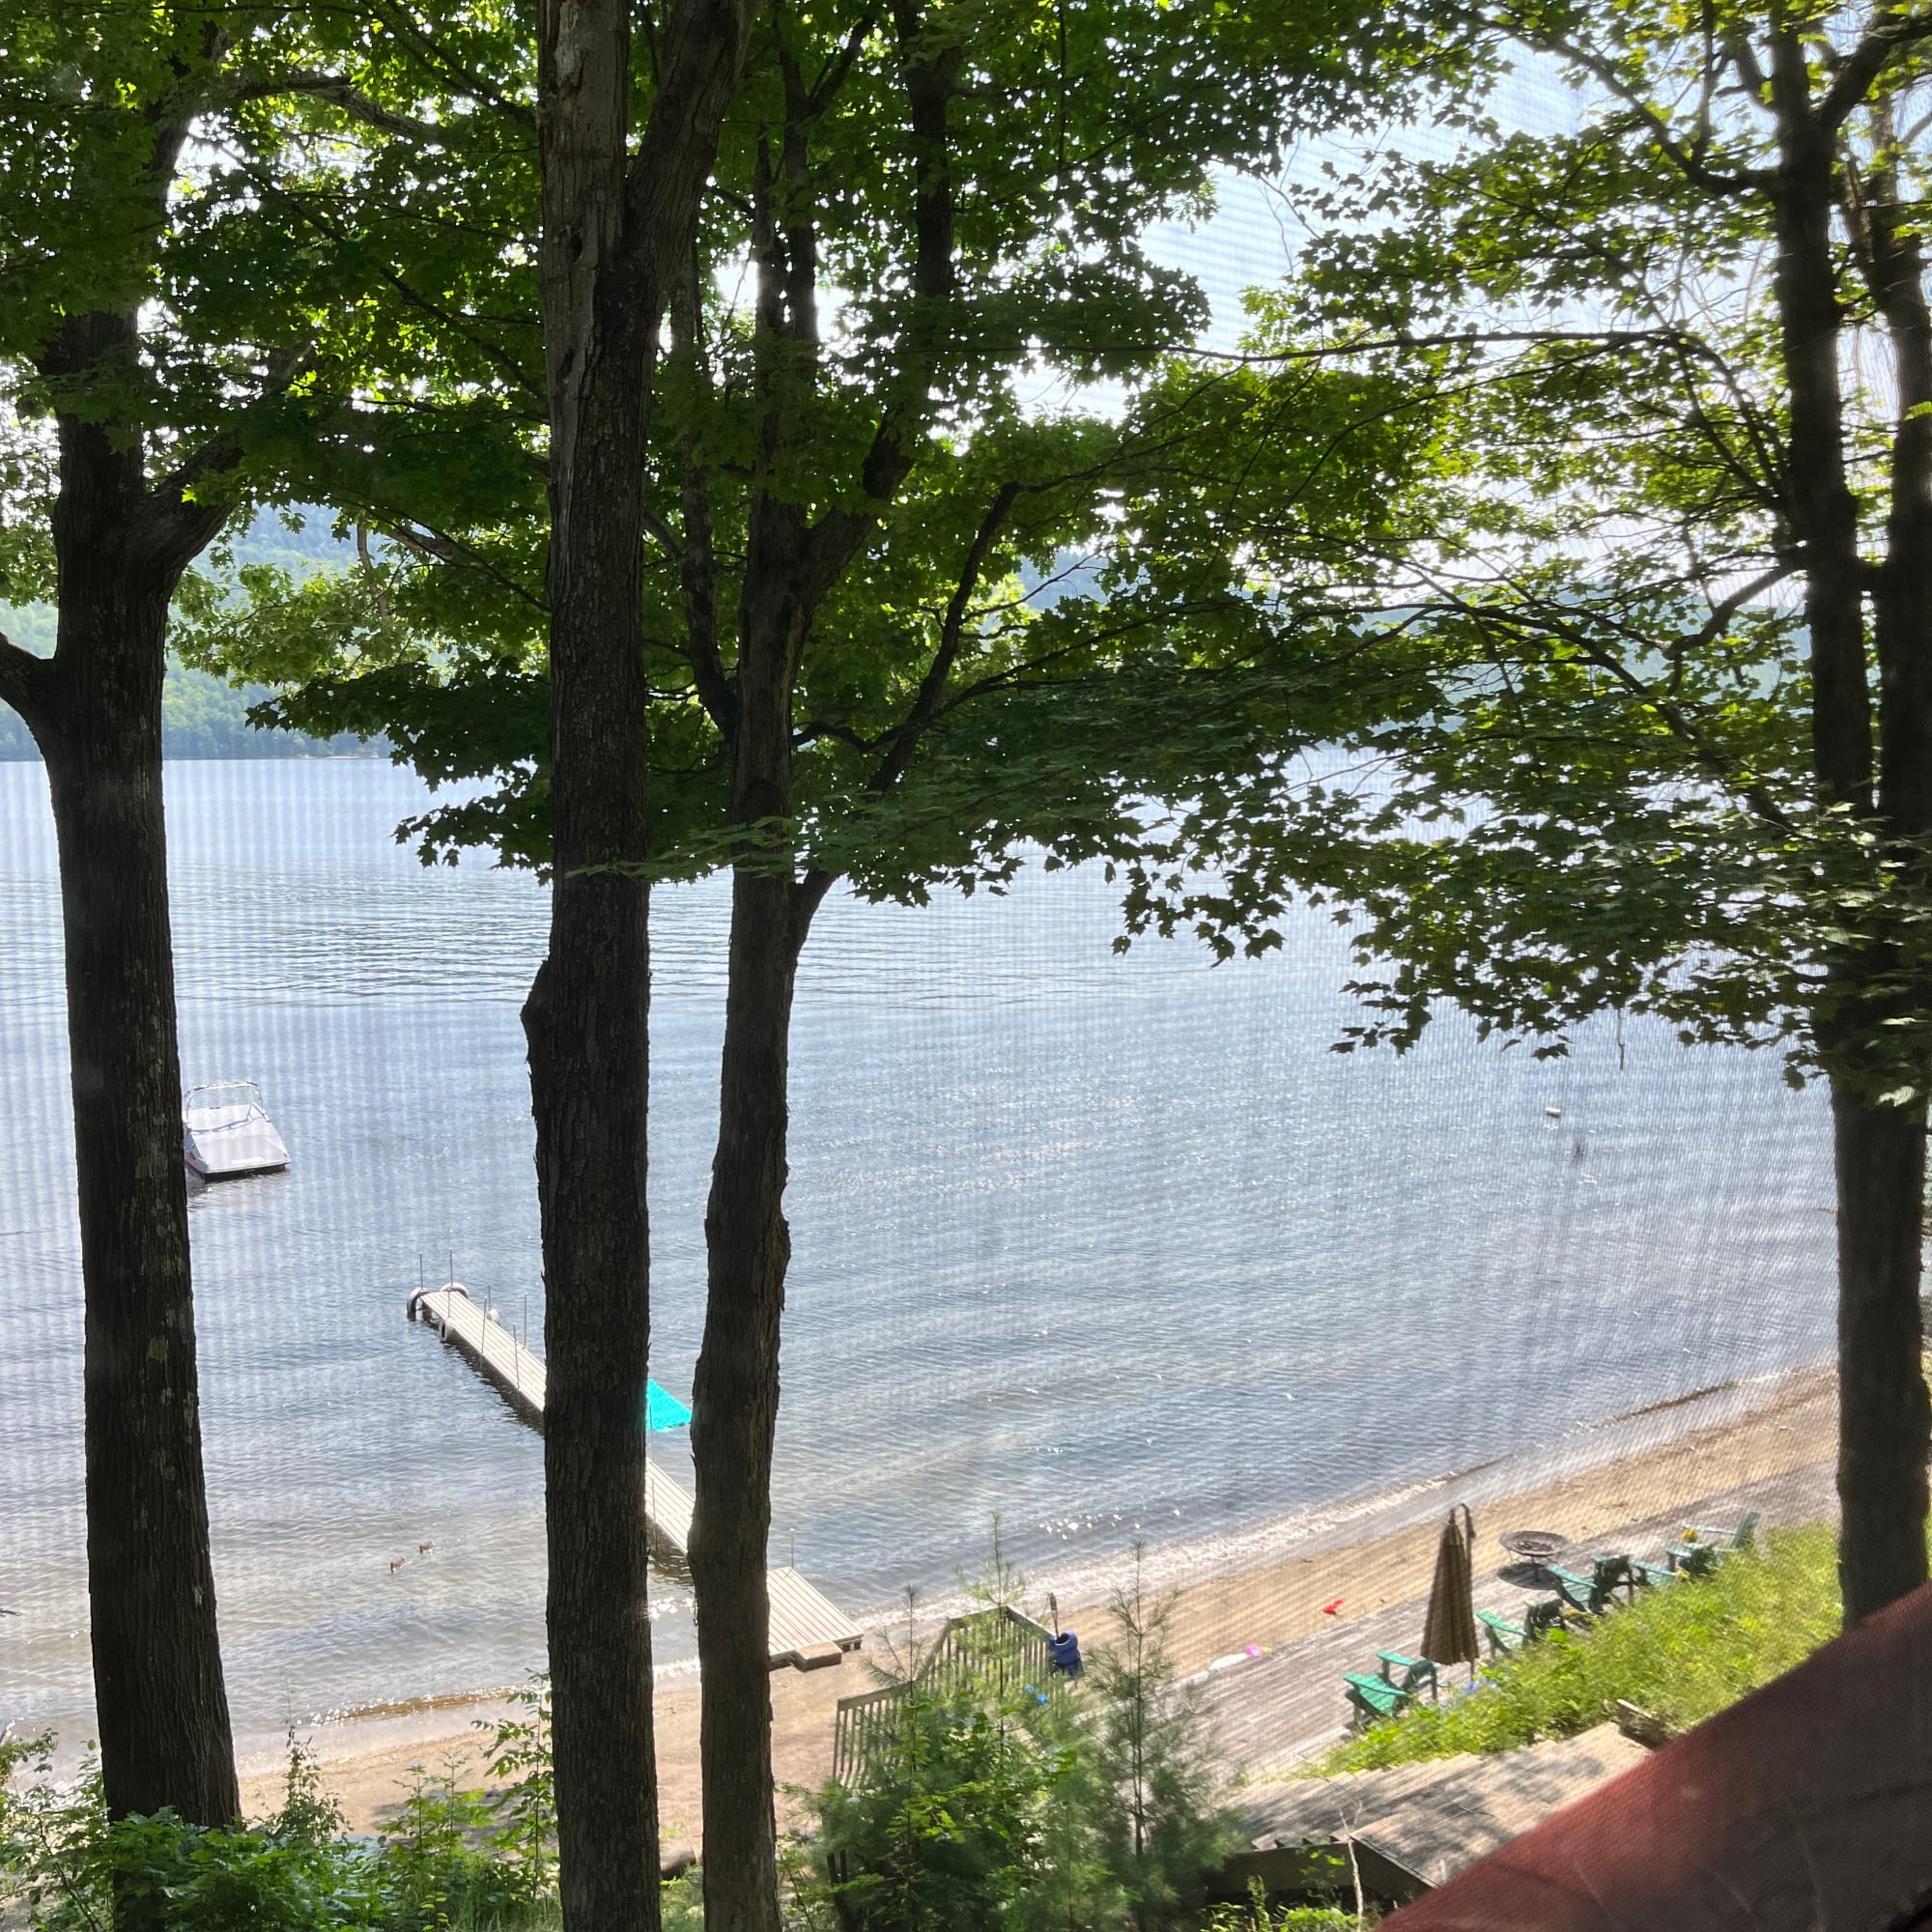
224	1103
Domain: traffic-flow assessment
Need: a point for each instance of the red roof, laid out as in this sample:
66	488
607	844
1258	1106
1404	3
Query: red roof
1806	1808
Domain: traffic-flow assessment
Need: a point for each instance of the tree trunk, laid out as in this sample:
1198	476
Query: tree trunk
1883	1413
791	565
1824	513
1883	1425
1879	1151
585	1020
586	1023
735	1394
612	228
734	1410
160	1699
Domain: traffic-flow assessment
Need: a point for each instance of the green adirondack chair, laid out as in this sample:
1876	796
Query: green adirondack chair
1743	1535
1695	1559
1504	1637
1374	1698
1652	1575
1593	1593
1576	1592
1613	1574
1419	1673
1543	1616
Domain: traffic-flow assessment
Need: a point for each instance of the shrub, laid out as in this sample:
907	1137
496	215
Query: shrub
1161	1832
1680	1652
1066	1807
520	1755
433	1870
456	1863
73	1871
1257	1915
948	1831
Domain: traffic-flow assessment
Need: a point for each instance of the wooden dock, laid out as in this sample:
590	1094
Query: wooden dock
806	1629
476	1333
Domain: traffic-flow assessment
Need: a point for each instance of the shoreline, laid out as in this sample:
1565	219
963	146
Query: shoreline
1250	1595
1343	1522
1188	1563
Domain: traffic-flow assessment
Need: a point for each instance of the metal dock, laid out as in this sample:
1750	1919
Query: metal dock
806	1628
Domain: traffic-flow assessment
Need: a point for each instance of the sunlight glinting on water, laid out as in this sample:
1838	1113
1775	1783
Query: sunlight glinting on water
1111	1247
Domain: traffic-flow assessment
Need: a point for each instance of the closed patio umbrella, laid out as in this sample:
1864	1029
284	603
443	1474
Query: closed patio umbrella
1449	1631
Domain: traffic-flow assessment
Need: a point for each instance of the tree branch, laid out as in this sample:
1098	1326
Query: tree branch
1675	716
442	548
1685	157
1727	608
23	680
1664	335
175	527
372	577
832	77
806	896
1751	70
932	686
674	160
929	81
340	94
1862	65
516	374
405	26
696	563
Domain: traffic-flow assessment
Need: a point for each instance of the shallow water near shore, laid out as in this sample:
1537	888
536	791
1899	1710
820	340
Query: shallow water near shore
1113	1247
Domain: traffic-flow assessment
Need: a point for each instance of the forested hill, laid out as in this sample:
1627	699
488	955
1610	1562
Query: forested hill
204	717
201	716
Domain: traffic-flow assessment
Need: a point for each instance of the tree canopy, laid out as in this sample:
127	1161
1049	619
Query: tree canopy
1611	798
1052	616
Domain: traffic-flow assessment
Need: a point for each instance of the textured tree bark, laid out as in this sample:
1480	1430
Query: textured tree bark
1885	1422
1879	1150
735	1411
95	709
1823	510
735	1395
611	225
586	1019
1885	1425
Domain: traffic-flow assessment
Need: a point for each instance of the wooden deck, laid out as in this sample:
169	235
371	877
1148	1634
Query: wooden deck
1414	1827
806	1628
1276	1711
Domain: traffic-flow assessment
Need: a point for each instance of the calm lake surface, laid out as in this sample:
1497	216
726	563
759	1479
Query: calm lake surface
1108	1245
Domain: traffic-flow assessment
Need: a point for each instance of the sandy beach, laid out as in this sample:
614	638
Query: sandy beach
1260	1596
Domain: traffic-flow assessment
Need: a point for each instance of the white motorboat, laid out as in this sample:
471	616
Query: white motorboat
226	1132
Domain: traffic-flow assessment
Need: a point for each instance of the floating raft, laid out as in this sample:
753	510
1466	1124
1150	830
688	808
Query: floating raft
806	1628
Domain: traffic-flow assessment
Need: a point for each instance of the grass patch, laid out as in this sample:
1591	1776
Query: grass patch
1680	1652
1257	1915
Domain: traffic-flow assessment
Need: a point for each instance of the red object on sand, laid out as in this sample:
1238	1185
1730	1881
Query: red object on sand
1331	1609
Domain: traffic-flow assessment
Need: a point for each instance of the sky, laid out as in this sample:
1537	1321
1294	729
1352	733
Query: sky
1250	239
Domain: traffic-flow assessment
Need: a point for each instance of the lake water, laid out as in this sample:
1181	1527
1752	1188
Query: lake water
1108	1245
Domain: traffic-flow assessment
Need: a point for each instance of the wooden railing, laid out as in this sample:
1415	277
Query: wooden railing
1001	1647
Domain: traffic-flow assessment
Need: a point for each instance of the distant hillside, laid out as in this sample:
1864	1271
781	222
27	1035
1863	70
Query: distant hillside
202	717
